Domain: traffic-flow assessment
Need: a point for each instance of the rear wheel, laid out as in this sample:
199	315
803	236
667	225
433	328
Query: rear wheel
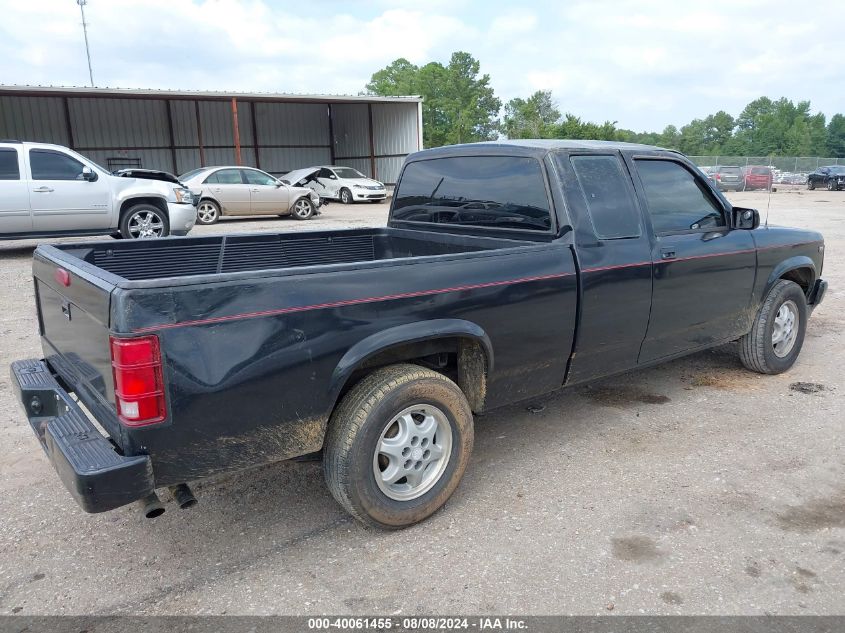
345	196
397	446
144	221
810	184
775	339
208	212
302	209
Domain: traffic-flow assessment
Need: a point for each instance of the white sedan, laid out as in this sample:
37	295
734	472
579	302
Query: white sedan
247	191
338	183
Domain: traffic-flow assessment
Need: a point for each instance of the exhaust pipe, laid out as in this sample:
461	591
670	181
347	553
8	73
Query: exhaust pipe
183	496
151	506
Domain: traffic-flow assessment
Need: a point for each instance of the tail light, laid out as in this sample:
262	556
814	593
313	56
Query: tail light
718	176
138	383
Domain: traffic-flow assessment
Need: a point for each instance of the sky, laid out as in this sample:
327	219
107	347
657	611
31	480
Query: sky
642	63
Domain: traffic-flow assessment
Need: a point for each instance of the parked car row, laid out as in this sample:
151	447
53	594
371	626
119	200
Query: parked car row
50	190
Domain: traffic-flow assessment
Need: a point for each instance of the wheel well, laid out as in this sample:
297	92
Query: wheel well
156	202
461	359
801	276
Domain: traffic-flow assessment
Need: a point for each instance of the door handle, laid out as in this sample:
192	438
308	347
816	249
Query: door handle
43	190
667	253
256	190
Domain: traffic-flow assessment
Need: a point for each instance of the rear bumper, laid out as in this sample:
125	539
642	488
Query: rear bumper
95	474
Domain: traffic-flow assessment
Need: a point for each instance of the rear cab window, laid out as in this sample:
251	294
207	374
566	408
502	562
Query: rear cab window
9	167
495	192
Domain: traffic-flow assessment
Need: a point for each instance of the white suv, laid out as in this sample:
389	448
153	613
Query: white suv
50	190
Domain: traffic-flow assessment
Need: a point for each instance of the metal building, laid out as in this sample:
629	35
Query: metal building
179	131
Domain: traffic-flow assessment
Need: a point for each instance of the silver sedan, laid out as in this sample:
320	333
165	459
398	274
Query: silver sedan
247	191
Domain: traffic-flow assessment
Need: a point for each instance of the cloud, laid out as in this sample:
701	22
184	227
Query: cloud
643	63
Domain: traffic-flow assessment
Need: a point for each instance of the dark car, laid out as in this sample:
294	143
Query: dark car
507	270
727	177
832	177
757	177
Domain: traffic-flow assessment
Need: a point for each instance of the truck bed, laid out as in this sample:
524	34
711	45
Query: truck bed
142	260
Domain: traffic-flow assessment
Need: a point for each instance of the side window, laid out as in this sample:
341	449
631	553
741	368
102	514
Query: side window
49	165
609	203
326	173
677	201
229	177
503	192
254	177
9	169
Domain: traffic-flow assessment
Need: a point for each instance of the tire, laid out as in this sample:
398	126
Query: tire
302	209
144	221
758	349
831	184
380	407
346	196
810	184
208	212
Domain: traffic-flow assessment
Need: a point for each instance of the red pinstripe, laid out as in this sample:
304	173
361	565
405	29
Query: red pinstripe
350	302
424	293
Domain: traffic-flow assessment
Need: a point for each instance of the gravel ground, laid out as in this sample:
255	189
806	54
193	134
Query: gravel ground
694	487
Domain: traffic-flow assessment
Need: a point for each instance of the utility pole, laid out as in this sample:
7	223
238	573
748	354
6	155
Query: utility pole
82	4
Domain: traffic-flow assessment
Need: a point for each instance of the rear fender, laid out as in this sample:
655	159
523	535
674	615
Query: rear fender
417	332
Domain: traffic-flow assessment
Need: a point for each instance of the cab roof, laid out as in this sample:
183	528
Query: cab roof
529	147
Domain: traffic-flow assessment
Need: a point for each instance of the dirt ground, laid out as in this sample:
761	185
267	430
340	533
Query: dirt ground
694	487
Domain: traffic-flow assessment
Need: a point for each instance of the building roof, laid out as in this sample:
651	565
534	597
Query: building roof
204	95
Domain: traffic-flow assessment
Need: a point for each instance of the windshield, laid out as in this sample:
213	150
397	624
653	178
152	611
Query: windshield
730	170
348	172
837	169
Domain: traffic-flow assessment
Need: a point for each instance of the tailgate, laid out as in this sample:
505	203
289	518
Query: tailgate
73	313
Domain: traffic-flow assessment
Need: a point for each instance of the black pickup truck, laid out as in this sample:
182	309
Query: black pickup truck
506	270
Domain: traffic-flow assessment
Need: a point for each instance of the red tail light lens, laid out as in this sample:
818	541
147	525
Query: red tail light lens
138	383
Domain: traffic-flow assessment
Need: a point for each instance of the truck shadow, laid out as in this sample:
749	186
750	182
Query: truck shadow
285	509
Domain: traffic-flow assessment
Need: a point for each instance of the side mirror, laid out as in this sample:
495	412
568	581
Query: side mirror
89	174
748	219
279	183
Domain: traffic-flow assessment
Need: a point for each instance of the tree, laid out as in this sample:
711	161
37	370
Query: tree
534	117
836	136
459	105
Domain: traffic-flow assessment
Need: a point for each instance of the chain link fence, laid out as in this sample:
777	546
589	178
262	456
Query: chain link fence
793	164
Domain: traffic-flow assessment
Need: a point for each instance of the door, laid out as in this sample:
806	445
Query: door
267	196
614	254
703	270
15	214
326	184
228	187
61	198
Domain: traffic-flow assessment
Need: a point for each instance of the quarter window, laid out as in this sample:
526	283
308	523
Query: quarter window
609	203
9	169
504	192
677	201
49	165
